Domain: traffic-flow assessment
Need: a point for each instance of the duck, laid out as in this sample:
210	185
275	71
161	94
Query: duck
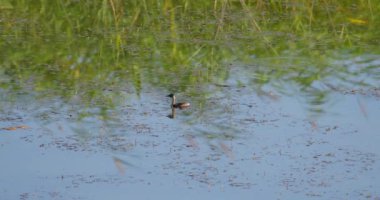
181	105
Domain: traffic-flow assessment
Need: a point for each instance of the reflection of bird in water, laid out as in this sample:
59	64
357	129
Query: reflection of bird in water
181	105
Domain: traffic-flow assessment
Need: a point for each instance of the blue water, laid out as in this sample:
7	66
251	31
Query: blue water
238	144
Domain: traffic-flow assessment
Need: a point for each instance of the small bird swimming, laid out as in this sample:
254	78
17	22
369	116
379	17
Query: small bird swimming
181	105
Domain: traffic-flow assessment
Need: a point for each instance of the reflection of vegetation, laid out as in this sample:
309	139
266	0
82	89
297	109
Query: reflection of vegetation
75	48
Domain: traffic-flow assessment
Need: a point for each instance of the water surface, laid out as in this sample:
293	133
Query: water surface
283	105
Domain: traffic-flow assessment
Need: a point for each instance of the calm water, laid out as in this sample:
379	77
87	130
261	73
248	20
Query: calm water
80	119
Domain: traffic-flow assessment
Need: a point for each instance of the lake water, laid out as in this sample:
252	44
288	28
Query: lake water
267	120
